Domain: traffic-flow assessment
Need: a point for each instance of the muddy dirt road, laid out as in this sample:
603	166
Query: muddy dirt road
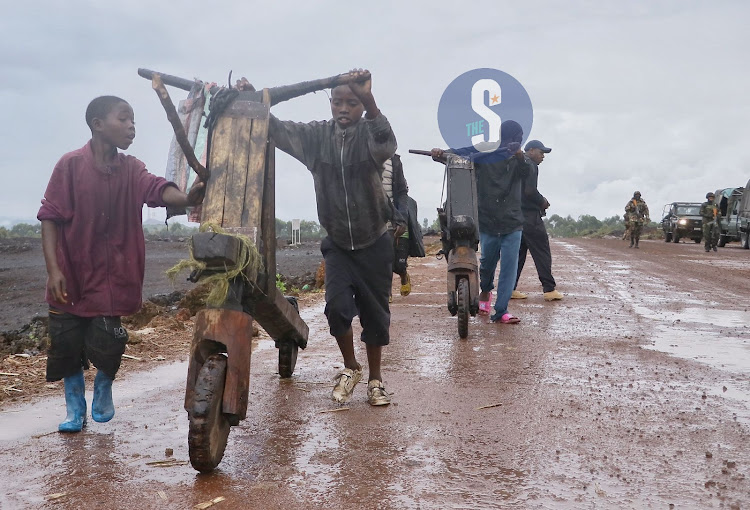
632	392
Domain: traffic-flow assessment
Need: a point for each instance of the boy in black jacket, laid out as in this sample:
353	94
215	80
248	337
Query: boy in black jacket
345	156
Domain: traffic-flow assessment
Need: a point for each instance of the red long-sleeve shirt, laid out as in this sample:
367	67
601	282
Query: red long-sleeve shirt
100	246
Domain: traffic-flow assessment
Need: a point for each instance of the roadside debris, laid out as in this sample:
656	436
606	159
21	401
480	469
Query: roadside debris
208	504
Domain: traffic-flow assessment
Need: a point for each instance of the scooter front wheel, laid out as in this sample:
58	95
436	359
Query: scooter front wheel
463	302
209	427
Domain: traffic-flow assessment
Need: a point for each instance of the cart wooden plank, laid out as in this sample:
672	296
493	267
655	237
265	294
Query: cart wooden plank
279	318
233	329
216	188
237	174
268	219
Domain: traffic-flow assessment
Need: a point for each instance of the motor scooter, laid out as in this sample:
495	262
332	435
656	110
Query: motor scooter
459	234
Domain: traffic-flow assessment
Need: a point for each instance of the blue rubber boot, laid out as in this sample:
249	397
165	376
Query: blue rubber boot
103	409
75	401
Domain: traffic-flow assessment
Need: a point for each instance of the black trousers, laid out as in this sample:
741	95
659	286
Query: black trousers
535	240
359	283
75	340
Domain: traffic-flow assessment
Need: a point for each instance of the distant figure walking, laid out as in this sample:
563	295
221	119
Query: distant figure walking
711	231
637	213
396	189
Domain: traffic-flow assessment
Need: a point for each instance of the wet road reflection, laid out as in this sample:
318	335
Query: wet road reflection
565	410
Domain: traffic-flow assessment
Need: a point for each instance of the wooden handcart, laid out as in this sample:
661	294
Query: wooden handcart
240	199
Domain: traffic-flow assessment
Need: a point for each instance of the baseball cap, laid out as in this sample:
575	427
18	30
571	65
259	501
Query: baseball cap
536	144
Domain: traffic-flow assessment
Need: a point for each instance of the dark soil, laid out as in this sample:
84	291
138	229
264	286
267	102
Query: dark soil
23	311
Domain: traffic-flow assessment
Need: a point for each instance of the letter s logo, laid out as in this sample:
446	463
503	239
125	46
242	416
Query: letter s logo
470	111
493	119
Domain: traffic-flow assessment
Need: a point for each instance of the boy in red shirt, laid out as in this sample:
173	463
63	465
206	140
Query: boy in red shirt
92	237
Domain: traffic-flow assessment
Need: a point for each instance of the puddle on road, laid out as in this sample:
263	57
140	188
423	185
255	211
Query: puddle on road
726	353
44	416
729	354
722	263
722	318
707	316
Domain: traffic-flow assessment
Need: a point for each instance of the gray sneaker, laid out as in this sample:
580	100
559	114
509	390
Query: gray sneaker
376	394
346	381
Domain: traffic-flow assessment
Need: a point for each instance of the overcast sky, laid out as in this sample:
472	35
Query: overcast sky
649	96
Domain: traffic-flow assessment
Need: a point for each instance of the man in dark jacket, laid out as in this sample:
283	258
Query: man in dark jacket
345	156
534	237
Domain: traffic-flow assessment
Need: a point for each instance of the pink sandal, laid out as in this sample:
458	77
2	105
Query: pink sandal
508	318
485	307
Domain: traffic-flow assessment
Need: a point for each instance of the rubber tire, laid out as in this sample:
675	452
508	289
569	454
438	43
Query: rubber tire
722	241
288	350
209	428
697	240
745	240
667	237
675	238
463	302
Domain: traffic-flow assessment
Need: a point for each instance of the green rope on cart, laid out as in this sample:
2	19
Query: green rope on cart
249	261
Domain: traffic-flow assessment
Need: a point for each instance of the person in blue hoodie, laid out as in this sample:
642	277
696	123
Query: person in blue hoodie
499	177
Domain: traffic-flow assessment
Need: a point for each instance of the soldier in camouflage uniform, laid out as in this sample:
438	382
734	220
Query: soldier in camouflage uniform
710	213
637	212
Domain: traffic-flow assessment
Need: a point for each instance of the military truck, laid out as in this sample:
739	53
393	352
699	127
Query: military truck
728	200
743	218
682	220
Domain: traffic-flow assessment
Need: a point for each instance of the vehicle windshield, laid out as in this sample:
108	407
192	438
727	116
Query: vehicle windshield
688	211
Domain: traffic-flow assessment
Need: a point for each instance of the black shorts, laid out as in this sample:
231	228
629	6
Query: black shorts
75	340
358	283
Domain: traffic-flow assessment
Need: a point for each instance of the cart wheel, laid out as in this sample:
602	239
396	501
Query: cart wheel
463	307
287	357
209	428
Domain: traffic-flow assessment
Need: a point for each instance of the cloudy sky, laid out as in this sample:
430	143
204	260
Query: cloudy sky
649	95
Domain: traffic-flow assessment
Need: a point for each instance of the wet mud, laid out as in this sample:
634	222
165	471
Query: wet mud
631	392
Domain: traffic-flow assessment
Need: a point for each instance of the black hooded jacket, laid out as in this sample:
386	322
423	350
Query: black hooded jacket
499	179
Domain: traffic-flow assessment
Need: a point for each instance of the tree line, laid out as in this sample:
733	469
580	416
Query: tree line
588	226
557	226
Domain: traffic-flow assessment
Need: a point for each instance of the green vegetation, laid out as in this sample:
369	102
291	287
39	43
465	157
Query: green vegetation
557	226
174	229
21	230
280	283
589	226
